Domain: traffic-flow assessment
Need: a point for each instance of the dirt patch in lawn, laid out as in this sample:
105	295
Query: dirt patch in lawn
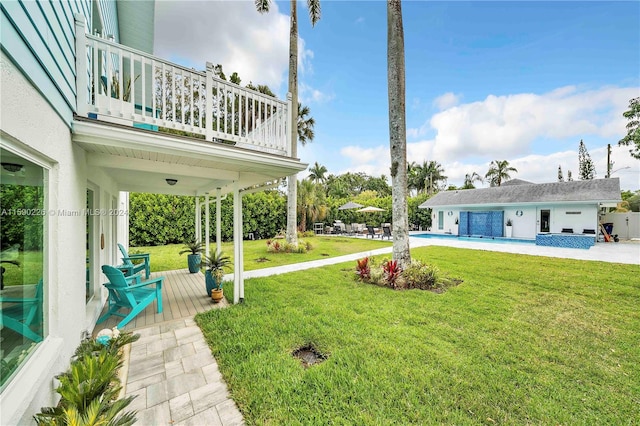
309	355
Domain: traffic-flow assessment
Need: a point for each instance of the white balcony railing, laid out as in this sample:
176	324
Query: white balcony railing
119	84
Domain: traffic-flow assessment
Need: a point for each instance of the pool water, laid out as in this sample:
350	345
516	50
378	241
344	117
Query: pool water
494	240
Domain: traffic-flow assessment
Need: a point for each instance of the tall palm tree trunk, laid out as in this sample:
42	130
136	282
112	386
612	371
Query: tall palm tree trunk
292	181
397	132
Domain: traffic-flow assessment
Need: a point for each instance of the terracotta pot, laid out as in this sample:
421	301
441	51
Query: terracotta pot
217	295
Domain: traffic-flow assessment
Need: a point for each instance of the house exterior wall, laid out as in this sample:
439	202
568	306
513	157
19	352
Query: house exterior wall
109	16
39	38
35	123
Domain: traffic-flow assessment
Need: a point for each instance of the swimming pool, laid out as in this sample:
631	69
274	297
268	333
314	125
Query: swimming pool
494	240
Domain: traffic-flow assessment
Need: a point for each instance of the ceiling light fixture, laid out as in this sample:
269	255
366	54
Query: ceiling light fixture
12	167
172	181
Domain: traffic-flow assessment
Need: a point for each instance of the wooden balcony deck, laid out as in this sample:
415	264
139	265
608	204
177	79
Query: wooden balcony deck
183	296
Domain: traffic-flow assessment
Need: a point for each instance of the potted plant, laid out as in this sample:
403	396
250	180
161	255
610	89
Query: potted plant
509	228
194	248
215	266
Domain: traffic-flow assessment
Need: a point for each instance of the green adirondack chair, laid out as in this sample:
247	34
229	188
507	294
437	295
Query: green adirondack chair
130	293
23	314
133	268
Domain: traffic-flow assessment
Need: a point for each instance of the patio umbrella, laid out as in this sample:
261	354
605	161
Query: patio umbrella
370	209
349	205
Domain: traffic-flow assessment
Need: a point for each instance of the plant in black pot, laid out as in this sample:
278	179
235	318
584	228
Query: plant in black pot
194	248
215	266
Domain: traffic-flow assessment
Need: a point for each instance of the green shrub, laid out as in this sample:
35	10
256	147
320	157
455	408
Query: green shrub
420	275
89	390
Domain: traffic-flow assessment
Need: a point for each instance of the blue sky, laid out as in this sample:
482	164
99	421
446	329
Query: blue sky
517	81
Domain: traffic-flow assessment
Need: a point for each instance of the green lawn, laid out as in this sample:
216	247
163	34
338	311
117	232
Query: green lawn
523	340
166	258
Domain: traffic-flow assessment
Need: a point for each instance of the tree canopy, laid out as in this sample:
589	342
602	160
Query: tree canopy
632	137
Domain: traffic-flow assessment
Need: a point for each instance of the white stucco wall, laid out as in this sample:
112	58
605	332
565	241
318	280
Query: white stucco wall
625	225
527	223
32	127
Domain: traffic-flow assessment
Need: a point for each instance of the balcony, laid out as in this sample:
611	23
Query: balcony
121	85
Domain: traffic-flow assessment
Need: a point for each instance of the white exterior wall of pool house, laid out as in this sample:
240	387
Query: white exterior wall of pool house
525	218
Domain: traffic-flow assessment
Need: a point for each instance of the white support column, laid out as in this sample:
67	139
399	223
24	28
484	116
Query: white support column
122	221
288	147
208	108
206	224
218	220
198	221
238	279
81	67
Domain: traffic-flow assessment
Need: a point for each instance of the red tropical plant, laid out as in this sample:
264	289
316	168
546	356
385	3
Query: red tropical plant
391	272
363	269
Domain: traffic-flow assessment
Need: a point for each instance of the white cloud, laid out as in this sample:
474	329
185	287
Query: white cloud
447	100
535	168
372	161
304	58
231	33
308	95
506	126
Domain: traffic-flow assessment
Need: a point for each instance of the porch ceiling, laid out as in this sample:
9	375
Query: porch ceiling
141	160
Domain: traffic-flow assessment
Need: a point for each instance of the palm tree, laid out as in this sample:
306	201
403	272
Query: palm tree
499	172
311	203
469	179
397	132
433	174
413	177
314	14
317	173
426	177
305	125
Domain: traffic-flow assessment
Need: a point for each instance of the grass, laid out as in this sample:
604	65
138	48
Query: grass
523	340
166	258
29	270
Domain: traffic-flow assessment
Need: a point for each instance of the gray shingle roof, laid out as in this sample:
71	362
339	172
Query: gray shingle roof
597	190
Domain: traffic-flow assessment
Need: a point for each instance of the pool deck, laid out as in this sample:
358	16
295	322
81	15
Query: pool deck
624	251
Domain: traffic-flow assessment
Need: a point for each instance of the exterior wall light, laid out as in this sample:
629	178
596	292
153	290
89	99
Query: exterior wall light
172	181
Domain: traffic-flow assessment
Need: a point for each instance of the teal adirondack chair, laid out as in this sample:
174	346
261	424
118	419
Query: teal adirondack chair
130	293
133	268
23	315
